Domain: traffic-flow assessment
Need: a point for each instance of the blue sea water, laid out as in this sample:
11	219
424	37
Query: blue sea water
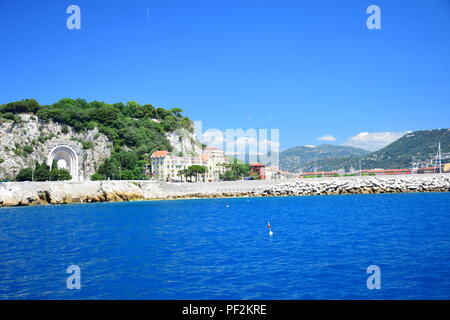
202	249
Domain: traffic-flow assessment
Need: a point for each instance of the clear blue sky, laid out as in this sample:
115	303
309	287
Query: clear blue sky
309	68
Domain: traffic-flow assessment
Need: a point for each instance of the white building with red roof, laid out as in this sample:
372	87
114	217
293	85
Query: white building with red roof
167	167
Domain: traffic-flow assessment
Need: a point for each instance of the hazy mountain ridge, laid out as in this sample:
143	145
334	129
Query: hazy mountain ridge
304	158
417	148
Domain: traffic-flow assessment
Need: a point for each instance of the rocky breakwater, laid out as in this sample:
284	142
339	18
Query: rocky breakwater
23	194
34	193
114	191
13	195
362	185
119	191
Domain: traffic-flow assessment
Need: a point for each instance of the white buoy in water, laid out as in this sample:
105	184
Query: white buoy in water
227	206
270	229
270	233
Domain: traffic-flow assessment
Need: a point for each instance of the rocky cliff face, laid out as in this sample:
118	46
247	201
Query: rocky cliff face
22	143
184	142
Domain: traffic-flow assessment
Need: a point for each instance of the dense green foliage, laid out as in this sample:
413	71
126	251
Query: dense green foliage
123	165
42	172
24	106
24	175
235	171
197	170
59	174
139	129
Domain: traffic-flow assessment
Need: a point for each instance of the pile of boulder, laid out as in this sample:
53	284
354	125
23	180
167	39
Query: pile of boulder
33	193
13	195
392	184
18	194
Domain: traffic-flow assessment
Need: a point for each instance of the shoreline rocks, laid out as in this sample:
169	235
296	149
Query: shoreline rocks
398	184
35	193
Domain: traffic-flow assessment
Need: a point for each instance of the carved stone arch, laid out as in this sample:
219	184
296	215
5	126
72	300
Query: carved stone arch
64	153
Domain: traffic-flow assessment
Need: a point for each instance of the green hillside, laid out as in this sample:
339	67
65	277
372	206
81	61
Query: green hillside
418	146
135	130
304	158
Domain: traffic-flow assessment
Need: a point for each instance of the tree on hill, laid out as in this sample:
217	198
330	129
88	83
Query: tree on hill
23	106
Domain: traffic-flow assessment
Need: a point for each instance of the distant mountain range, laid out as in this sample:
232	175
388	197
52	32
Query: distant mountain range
417	148
304	158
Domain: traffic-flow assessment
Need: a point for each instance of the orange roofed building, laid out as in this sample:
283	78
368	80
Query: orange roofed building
258	169
268	173
165	166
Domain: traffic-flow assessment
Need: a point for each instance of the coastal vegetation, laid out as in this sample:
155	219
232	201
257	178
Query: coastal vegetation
135	130
123	165
42	172
235	171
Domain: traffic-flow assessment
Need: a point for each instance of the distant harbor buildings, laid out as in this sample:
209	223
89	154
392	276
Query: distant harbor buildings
264	172
376	172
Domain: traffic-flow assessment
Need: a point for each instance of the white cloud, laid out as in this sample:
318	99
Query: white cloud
269	144
373	141
244	141
310	146
213	137
254	144
216	138
327	137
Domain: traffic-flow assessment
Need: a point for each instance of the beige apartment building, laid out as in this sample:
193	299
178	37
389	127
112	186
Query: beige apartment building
165	166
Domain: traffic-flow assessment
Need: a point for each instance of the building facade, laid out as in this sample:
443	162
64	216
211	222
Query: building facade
318	174
386	171
166	167
258	169
269	173
214	159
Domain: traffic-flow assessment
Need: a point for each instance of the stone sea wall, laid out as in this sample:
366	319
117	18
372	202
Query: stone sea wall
35	193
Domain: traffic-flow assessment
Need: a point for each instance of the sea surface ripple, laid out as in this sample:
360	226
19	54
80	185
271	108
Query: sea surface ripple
202	249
